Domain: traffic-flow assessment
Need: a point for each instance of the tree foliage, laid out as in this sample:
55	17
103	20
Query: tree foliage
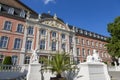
113	45
59	63
7	60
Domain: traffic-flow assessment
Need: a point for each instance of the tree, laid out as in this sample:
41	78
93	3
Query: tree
7	60
59	63
113	45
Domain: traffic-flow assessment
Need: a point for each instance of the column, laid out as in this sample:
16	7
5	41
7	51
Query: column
22	54
74	49
37	39
59	42
48	44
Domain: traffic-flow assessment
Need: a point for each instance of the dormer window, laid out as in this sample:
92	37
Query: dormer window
101	37
90	34
98	36
81	31
76	30
11	11
94	35
86	33
0	7
22	14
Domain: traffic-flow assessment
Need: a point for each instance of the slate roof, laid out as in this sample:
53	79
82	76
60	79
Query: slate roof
47	15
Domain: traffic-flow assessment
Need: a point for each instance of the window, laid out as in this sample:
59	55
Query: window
43	32
90	34
83	52
30	30
22	14
63	36
77	41
3	42
42	44
78	51
70	39
11	11
92	43
1	58
88	42
53	34
86	33
20	28
94	35
63	47
0	7
83	42
81	31
28	45
7	25
53	46
27	60
88	51
17	43
14	59
96	44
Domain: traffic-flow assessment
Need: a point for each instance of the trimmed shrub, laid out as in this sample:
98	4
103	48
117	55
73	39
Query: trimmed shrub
7	60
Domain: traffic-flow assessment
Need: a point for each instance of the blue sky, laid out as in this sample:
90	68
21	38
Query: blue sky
92	15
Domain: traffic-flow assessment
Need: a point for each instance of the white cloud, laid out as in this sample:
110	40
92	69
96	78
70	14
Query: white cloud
48	1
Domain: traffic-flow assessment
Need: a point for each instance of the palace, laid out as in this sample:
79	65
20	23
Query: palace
22	30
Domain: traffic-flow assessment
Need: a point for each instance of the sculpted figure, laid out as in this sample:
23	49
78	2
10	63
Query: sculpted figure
96	56
34	58
89	58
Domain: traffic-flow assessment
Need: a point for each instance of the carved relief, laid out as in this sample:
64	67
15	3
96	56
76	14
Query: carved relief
54	24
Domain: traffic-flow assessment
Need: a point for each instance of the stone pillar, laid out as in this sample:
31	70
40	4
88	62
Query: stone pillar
34	72
74	49
23	50
49	46
92	71
59	41
37	39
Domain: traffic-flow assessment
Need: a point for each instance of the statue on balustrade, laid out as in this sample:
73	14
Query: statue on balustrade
94	58
34	57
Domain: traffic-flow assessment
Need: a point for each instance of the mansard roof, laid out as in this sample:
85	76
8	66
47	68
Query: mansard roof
17	4
47	15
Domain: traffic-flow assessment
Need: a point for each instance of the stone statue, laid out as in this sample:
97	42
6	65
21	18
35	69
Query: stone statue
94	58
34	58
89	58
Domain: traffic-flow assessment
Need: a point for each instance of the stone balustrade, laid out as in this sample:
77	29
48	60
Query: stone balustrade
113	68
10	68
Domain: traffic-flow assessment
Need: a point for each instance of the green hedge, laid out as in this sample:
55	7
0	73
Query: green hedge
7	60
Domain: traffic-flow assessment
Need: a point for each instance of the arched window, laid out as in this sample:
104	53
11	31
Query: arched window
43	32
22	14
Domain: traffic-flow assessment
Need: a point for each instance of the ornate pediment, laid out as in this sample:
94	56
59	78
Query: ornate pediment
56	24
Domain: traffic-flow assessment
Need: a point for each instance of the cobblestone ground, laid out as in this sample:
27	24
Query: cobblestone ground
115	75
